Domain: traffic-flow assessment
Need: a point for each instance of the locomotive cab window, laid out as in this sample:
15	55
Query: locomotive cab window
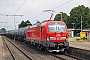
57	27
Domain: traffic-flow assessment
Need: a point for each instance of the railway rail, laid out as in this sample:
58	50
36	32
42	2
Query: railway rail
38	55
68	57
11	52
47	56
65	56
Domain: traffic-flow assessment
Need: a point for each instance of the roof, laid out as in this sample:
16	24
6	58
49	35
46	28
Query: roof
80	29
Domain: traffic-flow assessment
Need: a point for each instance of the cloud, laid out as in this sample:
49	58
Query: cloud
33	8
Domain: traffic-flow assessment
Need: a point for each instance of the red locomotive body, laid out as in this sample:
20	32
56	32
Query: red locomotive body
50	35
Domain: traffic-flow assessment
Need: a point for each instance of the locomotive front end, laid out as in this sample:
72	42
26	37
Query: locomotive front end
57	37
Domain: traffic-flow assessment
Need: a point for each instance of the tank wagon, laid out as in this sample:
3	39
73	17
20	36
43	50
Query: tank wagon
19	34
49	35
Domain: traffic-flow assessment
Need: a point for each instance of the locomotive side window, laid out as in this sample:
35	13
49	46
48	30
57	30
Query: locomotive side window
57	27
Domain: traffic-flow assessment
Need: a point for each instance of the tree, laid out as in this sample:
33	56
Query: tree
37	22
75	17
65	17
57	17
28	23
24	24
88	20
1	31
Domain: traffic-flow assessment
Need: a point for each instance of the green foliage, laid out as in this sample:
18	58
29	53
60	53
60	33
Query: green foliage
24	24
75	17
78	39
65	17
84	38
37	22
57	17
28	23
1	31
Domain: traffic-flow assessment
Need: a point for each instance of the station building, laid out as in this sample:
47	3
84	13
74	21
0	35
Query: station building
76	32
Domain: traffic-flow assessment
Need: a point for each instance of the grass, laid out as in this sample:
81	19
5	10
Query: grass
76	39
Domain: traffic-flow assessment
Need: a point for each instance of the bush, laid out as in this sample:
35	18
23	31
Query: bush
84	38
78	38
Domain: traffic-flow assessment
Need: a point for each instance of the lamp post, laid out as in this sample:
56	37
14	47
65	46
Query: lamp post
73	29
16	25
61	15
73	25
81	23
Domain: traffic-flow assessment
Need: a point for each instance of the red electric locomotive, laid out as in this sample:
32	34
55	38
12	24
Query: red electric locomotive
50	35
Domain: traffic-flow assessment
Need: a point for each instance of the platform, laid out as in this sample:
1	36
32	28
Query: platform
80	45
1	49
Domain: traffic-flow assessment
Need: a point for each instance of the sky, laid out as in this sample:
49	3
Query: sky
32	10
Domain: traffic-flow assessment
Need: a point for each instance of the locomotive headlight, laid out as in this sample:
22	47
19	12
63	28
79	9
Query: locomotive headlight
64	38
48	38
52	38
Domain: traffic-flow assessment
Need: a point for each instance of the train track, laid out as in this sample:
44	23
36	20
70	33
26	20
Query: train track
67	57
57	56
11	52
36	55
64	56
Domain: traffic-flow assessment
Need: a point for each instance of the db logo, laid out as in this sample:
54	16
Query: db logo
58	35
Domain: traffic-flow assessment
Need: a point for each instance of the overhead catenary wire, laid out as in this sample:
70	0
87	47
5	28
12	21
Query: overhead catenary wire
7	9
42	4
7	2
36	8
54	8
20	6
37	16
12	6
15	12
11	15
39	6
3	8
9	20
62	4
10	10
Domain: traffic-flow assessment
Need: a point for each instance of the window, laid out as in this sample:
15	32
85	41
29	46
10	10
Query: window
57	27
